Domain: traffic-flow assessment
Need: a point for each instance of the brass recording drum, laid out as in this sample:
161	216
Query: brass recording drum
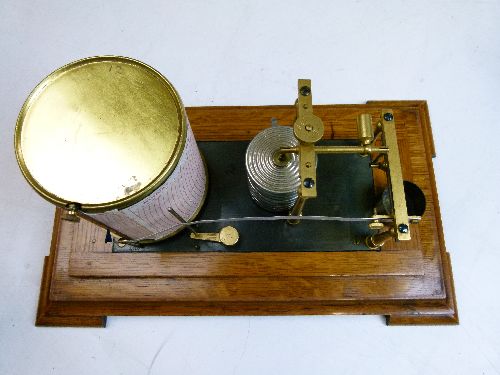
108	137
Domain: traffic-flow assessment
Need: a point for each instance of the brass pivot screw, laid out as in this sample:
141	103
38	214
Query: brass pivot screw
281	159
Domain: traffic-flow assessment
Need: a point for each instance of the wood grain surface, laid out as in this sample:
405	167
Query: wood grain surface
409	282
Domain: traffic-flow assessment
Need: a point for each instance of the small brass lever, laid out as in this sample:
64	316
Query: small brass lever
228	236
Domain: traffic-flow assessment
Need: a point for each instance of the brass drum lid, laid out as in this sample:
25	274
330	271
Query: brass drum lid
103	132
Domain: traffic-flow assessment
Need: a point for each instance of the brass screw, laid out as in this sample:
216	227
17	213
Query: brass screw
309	127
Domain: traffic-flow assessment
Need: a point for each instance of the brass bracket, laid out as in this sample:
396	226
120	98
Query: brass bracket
308	129
395	176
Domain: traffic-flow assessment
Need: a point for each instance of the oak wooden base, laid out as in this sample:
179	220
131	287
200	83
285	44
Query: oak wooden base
409	282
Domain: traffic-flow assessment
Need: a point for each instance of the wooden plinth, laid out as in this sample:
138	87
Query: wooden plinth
409	282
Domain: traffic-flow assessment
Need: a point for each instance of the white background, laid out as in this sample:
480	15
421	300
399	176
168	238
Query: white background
250	53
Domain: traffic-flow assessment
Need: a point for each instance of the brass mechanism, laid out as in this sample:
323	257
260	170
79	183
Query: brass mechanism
228	236
308	129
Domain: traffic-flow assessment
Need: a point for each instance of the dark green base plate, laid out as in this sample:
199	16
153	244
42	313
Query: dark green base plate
345	188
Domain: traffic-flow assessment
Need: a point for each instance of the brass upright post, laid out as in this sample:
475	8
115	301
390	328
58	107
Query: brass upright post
365	129
297	210
308	129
